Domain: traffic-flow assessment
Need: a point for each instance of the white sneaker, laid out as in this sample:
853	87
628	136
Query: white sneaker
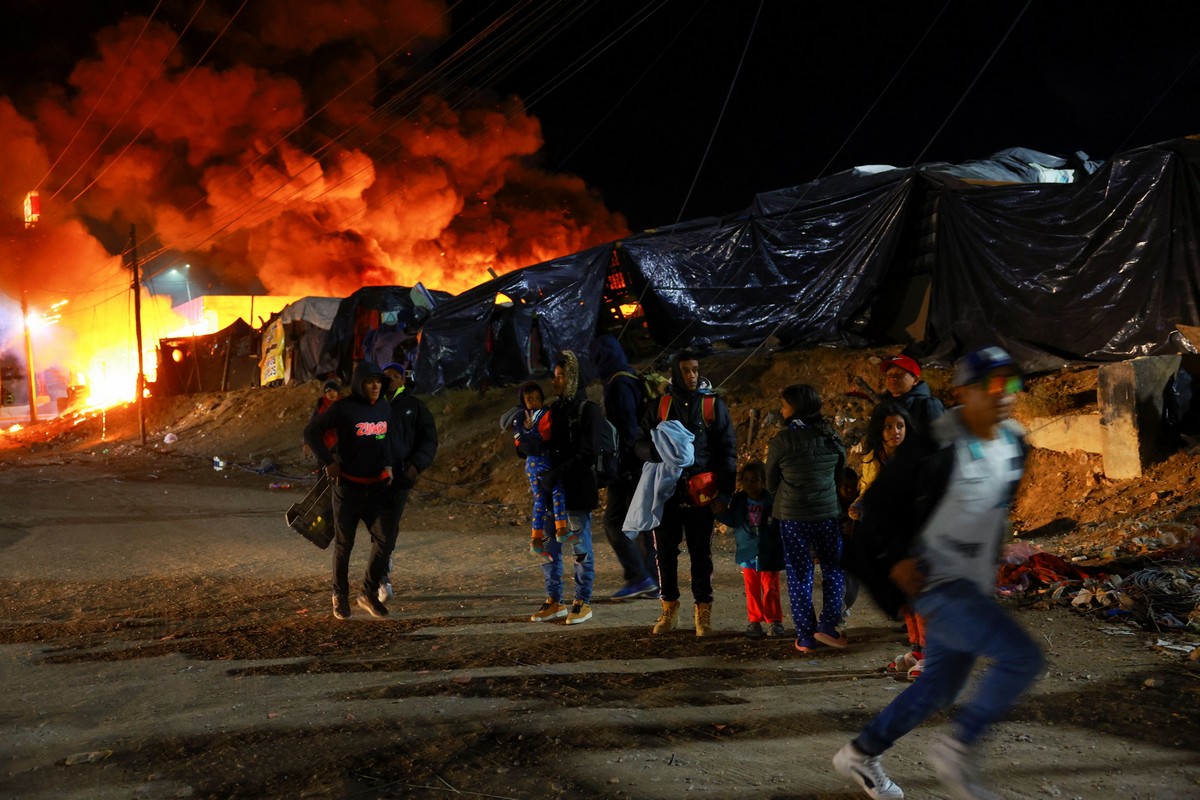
385	590
867	772
957	766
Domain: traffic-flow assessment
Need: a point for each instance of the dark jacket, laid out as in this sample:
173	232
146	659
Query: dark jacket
413	434
363	446
624	402
804	465
715	445
574	442
921	405
762	542
895	509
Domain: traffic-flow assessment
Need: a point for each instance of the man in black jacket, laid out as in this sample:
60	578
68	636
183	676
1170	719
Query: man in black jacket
683	519
362	476
574	443
414	444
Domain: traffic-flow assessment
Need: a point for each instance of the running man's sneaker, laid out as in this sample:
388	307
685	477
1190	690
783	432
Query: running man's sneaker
957	766
755	631
867	772
550	610
775	630
903	662
372	606
341	606
641	588
916	669
385	590
580	612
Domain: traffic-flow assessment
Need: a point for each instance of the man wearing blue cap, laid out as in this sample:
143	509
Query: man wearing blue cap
414	444
946	510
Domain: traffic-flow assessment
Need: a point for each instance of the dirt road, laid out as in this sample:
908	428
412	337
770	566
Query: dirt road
163	635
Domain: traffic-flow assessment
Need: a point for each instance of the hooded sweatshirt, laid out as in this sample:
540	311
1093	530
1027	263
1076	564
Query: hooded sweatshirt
364	449
574	440
412	431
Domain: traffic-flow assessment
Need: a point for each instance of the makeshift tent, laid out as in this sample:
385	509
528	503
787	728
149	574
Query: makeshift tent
294	341
377	323
216	362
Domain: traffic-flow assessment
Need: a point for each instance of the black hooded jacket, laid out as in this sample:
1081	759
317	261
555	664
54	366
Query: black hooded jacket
364	448
623	398
715	445
412	432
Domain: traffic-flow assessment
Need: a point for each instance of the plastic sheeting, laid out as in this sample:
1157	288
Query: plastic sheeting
1100	270
556	306
799	275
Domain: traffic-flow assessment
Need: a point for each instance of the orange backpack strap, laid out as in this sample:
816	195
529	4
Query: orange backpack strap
664	407
708	408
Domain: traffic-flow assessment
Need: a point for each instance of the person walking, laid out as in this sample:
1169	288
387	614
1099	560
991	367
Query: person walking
414	444
805	462
932	528
362	473
624	405
572	446
702	489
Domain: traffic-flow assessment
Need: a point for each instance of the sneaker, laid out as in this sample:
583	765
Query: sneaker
372	606
385	591
642	588
834	639
775	630
551	609
916	669
903	662
867	772
957	766
580	612
755	631
341	606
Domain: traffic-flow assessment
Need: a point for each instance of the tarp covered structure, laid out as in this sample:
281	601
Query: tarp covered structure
216	362
1089	263
378	323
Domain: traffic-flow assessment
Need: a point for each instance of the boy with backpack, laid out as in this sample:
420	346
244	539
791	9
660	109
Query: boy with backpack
703	488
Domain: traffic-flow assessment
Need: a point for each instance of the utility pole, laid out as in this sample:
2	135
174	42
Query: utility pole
33	213
137	313
33	415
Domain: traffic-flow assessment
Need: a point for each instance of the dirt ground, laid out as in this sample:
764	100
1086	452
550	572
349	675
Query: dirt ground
164	635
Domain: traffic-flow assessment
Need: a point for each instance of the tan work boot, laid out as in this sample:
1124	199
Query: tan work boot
669	617
704	619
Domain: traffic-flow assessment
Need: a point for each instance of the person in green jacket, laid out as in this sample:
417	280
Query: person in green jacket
804	463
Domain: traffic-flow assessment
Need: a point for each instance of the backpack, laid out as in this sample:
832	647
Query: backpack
708	408
652	386
608	457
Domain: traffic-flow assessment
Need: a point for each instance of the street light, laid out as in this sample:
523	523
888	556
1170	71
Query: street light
186	283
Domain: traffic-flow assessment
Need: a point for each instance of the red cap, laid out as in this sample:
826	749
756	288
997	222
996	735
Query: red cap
903	362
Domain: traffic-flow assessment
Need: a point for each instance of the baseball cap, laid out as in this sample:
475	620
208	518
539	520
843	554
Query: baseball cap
978	364
398	367
903	362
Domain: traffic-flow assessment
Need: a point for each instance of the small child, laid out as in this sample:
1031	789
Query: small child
532	428
759	550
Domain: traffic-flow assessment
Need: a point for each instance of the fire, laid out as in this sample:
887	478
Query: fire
223	164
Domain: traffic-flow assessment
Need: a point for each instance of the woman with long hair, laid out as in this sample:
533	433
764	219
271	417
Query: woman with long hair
804	463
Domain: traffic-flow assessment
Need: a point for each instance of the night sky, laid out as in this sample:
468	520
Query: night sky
635	121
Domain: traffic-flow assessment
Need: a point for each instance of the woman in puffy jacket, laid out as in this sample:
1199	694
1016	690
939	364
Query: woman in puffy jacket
804	462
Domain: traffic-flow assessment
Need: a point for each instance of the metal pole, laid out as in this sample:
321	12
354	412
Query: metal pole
137	313
33	415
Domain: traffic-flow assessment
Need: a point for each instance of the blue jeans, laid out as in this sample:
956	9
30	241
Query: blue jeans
585	560
961	624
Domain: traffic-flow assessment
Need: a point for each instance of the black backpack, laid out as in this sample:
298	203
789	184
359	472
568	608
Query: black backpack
608	457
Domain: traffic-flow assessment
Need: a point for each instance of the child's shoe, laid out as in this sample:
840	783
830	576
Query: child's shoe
537	549
775	630
755	631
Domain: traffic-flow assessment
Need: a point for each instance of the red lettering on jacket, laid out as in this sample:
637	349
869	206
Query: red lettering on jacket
370	429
